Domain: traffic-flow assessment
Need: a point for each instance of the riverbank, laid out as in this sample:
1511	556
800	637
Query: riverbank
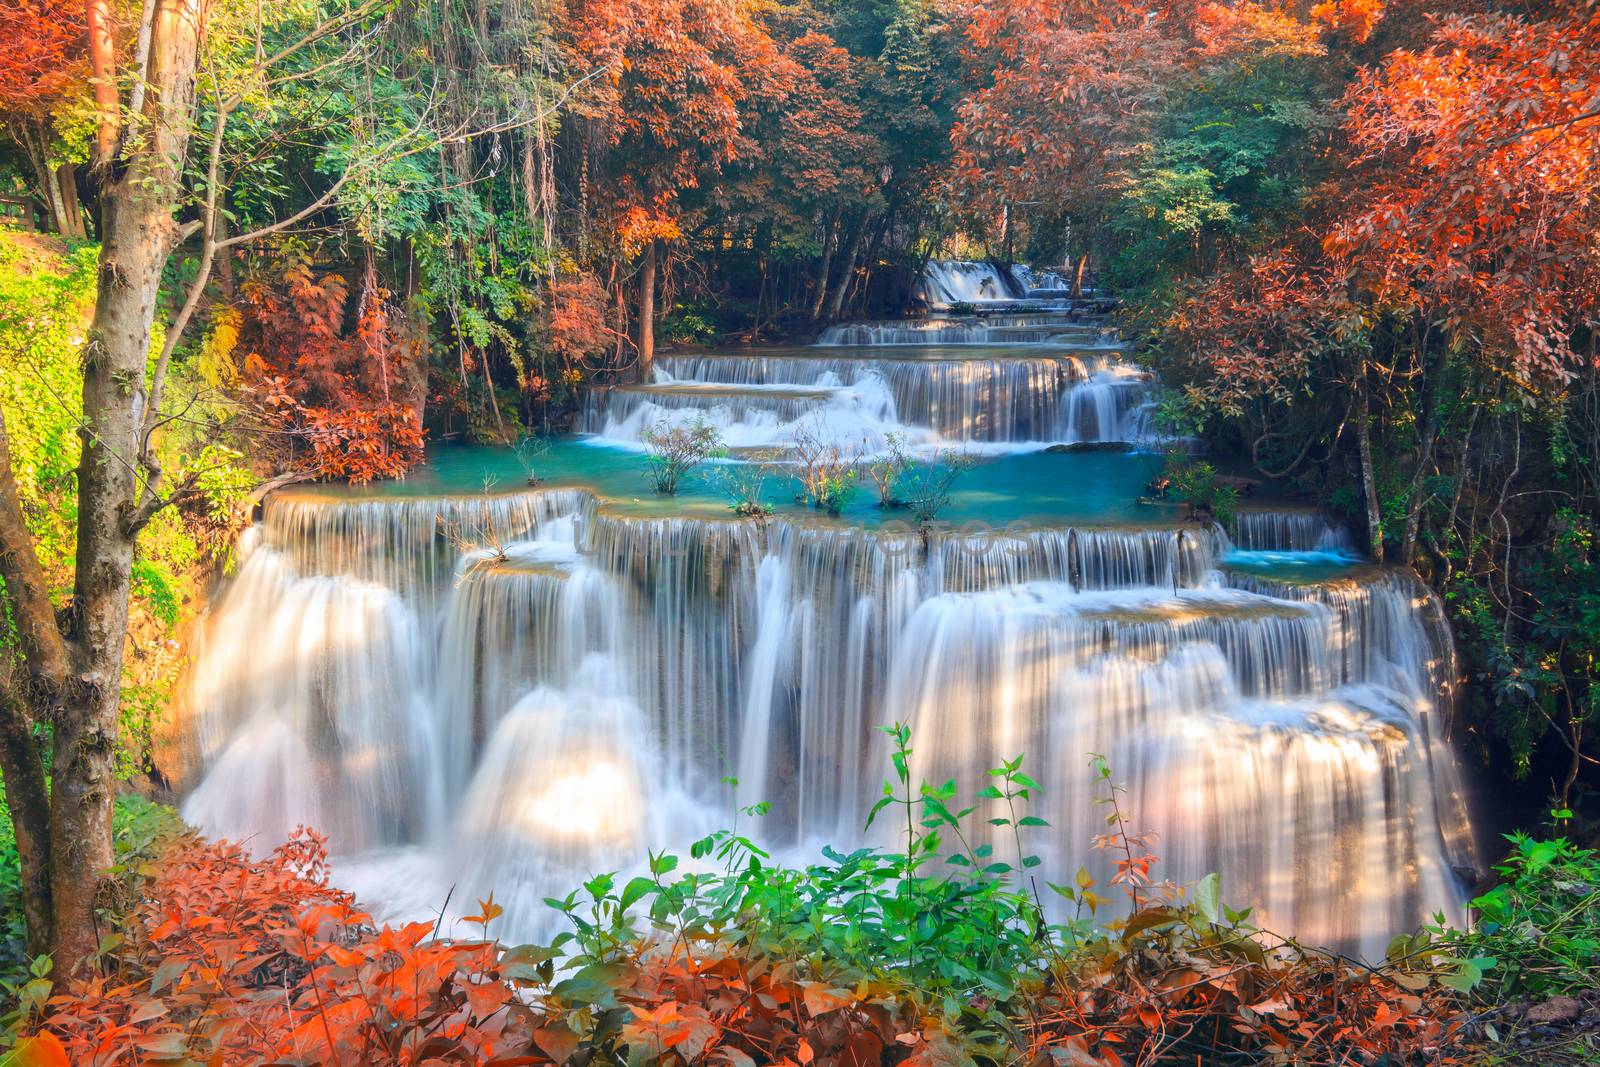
867	958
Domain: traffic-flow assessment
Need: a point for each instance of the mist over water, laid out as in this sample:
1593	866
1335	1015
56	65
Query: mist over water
464	719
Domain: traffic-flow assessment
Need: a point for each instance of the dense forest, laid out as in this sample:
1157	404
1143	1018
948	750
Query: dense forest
1356	244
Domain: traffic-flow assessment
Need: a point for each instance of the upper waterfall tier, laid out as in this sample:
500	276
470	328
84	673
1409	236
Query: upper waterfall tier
861	397
523	688
946	282
1065	329
932	384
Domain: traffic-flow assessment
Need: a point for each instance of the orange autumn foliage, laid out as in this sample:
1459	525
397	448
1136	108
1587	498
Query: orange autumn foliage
1478	179
578	327
236	960
43	53
1467	205
334	393
1355	18
677	77
261	961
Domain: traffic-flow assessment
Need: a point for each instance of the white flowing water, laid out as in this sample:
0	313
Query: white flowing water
956	281
509	693
998	383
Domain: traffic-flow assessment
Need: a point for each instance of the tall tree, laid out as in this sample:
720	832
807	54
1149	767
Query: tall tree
43	64
74	670
152	199
668	112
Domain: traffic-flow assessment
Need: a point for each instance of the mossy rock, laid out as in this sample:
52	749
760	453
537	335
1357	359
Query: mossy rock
1092	446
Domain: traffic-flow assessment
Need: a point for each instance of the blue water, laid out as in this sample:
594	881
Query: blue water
1308	566
1045	488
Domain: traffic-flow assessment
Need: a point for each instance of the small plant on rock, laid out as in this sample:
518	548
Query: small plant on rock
829	472
745	482
1198	485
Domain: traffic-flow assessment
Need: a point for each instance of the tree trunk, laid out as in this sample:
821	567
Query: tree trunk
226	280
1369	484
863	289
851	254
44	653
1077	277
647	312
28	799
34	139
70	222
825	271
1425	448
138	233
103	79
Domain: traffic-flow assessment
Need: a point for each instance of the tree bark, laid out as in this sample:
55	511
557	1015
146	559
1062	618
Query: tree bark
863	289
103	78
138	202
647	312
24	702
1431	369
825	271
1369	484
71	221
28	800
34	139
851	254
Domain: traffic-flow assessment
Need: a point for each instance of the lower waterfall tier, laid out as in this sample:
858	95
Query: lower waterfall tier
512	692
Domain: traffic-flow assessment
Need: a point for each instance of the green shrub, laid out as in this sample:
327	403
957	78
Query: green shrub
1542	923
690	324
673	450
1196	484
139	827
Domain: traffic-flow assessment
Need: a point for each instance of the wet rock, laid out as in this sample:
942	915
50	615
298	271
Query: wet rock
1557	1011
1092	446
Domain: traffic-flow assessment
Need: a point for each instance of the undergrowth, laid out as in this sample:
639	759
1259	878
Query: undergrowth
939	951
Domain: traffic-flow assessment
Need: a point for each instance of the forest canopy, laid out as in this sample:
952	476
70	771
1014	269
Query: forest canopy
251	245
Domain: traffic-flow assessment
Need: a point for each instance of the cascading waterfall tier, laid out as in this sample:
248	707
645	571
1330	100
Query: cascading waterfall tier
1060	328
1282	530
945	282
764	400
999	382
527	687
508	691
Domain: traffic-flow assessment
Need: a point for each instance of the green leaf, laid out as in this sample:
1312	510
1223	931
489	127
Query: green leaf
636	890
1206	898
594	984
879	806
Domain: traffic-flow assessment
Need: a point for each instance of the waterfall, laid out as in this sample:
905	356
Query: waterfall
1059	328
560	696
1289	531
509	691
954	281
1021	398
